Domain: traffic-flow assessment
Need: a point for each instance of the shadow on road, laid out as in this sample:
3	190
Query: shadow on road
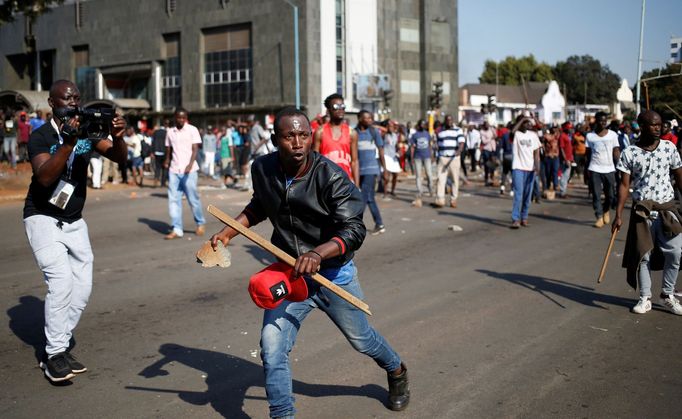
261	255
26	321
156	225
548	217
484	220
548	287
228	378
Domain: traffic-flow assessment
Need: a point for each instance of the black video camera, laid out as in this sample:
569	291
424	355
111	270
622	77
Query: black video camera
94	123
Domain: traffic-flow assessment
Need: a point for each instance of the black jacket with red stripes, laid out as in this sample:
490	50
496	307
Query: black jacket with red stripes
319	206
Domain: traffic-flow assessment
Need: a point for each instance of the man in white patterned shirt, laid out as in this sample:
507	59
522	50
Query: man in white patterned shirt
654	238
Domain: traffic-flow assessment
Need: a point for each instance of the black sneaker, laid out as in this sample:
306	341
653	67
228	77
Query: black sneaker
57	368
378	230
76	367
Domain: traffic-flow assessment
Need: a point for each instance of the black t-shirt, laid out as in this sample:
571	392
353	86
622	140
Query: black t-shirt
46	140
159	141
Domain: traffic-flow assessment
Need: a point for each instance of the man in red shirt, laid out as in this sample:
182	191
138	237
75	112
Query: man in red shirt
23	132
667	133
566	155
336	140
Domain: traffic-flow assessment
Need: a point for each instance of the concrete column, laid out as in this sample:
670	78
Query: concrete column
156	86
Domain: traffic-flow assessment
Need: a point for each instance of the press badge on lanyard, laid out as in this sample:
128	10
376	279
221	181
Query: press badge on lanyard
64	190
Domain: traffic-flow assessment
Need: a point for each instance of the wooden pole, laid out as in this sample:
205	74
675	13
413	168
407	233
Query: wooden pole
606	256
286	258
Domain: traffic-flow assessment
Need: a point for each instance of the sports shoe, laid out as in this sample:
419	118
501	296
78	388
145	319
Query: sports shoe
439	203
57	368
417	203
607	218
453	204
642	306
524	223
599	223
515	224
378	230
672	304
76	367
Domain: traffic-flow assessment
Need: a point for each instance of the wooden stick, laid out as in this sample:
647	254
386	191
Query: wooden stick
286	258
606	256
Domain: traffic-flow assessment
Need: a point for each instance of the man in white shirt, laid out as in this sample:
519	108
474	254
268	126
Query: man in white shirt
182	147
602	150
473	144
450	143
525	166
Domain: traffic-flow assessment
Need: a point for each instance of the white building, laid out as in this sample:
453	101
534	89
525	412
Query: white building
543	99
675	49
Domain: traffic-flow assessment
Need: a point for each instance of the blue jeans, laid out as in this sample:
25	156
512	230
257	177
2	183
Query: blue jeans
671	247
522	182
367	183
179	183
281	325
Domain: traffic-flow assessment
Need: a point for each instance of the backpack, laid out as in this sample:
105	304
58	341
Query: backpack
146	149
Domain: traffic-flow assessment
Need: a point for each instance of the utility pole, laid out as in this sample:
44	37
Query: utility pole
639	61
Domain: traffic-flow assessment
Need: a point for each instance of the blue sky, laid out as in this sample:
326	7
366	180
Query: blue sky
552	30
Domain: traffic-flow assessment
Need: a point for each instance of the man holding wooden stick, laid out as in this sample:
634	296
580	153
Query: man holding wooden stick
316	213
654	240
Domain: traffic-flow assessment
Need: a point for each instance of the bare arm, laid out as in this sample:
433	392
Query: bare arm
355	165
317	139
228	233
117	150
623	192
195	151
48	168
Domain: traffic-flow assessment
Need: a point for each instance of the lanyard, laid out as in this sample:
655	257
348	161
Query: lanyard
72	156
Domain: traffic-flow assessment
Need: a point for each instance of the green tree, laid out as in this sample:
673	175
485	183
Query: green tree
585	79
29	8
512	70
664	93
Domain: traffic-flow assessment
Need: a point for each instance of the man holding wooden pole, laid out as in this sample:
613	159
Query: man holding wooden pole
316	213
653	240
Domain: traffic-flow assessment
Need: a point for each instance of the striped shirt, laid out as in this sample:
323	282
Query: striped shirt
449	141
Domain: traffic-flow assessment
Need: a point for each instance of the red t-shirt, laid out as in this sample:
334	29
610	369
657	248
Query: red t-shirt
565	144
670	137
337	149
23	131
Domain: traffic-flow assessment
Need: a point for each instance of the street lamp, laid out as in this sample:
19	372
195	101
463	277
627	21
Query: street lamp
297	63
639	62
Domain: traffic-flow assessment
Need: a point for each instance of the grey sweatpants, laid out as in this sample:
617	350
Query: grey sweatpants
64	255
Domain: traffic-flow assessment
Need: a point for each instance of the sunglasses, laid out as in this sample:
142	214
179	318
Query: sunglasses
338	106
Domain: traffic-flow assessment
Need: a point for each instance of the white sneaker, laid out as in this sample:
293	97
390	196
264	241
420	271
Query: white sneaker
672	304
643	305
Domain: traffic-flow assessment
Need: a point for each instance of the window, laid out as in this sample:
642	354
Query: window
79	14
340	44
673	45
171	74
170	6
228	66
85	75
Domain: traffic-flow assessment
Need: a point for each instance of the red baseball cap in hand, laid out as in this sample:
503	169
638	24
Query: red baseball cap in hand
269	287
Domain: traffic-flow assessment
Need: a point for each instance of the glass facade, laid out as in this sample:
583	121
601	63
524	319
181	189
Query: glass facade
340	45
228	67
171	74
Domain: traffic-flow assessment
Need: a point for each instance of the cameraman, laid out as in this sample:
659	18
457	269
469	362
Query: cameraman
52	217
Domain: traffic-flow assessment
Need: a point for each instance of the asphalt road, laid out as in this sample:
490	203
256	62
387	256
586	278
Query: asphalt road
491	322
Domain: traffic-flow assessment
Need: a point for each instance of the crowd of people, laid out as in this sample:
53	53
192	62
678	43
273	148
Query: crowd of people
316	203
